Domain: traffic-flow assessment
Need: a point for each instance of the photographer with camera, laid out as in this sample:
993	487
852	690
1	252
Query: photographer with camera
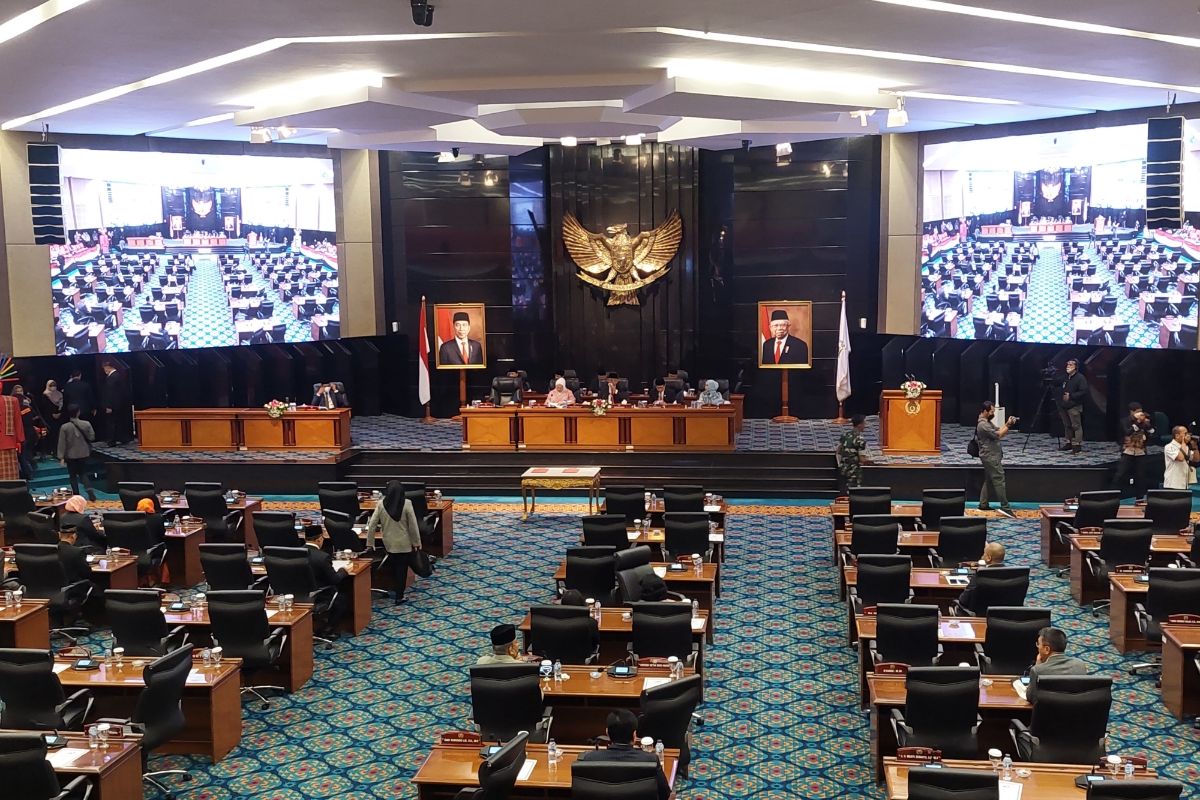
1180	457
991	453
1136	428
1070	407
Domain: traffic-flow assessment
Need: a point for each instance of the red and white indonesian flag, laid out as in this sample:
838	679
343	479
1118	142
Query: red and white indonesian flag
843	357
423	359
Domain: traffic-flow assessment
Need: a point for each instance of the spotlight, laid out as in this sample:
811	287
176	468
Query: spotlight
260	135
746	144
454	151
862	116
285	131
446	157
633	140
422	12
897	117
568	141
783	150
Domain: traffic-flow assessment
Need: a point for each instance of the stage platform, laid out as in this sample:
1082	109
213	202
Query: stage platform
770	460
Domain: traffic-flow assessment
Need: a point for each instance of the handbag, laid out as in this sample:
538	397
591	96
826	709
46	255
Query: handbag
83	436
422	563
973	447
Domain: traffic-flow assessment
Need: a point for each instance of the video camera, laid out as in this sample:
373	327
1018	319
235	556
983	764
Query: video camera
1050	375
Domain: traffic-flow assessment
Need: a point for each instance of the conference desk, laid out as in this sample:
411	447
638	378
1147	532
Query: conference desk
1086	587
115	772
212	701
621	428
116	572
1045	781
356	588
909	543
957	635
655	539
616	633
1056	553
930	585
248	505
443	542
582	702
999	703
242	429
839	509
1125	592
1180	675
144	241
450	768
26	625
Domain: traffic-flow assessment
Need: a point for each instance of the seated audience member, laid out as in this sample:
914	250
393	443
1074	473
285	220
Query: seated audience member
327	396
1052	660
324	573
73	558
993	556
75	516
663	395
560	395
505	649
611	390
558	375
710	396
622	736
154	521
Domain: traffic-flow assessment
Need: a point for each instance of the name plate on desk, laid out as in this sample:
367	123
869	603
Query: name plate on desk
891	668
918	755
1183	619
460	739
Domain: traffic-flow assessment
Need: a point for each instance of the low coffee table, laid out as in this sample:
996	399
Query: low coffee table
536	478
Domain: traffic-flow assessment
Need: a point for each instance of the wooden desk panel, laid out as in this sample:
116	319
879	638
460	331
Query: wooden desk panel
582	702
1055	553
538	431
1125	591
236	428
263	434
26	625
577	428
708	432
489	428
1180	678
656	431
598	433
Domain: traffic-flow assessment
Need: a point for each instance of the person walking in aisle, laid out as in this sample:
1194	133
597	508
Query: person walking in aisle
75	448
991	453
396	521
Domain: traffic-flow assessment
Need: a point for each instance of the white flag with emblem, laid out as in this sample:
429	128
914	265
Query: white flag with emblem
843	355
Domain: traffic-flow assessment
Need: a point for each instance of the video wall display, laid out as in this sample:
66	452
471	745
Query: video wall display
170	250
1042	238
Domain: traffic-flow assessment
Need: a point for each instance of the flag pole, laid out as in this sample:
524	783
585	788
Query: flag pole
843	368
423	393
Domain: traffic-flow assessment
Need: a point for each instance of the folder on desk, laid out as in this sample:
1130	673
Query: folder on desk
526	769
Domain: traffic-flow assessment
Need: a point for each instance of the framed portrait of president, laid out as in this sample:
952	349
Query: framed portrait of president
460	334
785	334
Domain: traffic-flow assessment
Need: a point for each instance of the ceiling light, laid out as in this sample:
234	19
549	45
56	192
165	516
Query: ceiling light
568	141
862	116
897	117
285	131
445	157
1049	22
959	98
260	135
209	120
740	72
783	150
602	141
633	140
36	16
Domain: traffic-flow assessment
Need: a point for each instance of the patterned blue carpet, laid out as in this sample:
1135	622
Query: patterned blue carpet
781	708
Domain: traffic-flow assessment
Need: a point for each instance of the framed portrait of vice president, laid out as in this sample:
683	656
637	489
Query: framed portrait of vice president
785	334
460	330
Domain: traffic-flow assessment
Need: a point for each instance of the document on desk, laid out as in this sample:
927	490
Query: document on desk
650	683
633	535
195	676
1010	790
61	666
65	756
697	623
711	509
527	769
963	631
341	565
272	612
716	537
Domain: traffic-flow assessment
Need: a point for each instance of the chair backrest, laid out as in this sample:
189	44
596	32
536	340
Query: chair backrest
340	528
614	780
1010	641
289	572
1169	510
666	710
137	620
415	494
43	527
127	529
131	492
661	630
335	496
605	530
930	783
1135	789
1095	507
24	771
505	390
276	529
42	572
883	578
498	774
562	633
29	690
238	619
682	497
627	500
226	566
942	701
633	557
870	500
1126	541
874	533
592	570
505	699
960	539
1000	586
685	533
160	705
206	503
938	503
1173	591
906	633
1070	718
15	499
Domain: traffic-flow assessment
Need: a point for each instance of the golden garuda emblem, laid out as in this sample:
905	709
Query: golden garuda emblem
626	263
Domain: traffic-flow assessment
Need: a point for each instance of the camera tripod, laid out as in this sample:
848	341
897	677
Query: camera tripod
1043	413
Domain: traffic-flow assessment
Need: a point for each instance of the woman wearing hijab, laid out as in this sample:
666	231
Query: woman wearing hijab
560	395
154	521
52	412
396	521
710	396
75	516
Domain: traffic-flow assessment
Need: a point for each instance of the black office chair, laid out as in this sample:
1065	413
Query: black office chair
1169	510
289	572
129	530
340	528
875	534
25	773
667	713
563	633
277	529
1069	723
131	492
32	697
139	625
614	780
906	634
337	496
1170	591
428	521
207	501
506	700
1135	789
592	571
15	504
881	579
1124	542
634	573
1094	508
606	530
227	568
498	773
680	497
686	533
506	390
662	630
627	500
931	783
996	586
870	500
960	540
43	577
1009	644
239	622
941	711
938	503
43	527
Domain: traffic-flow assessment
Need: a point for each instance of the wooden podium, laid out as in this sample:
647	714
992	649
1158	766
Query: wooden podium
910	427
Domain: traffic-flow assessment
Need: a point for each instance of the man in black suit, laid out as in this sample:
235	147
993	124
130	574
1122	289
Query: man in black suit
462	349
73	558
993	556
78	392
610	389
328	395
324	574
663	395
782	347
622	735
114	397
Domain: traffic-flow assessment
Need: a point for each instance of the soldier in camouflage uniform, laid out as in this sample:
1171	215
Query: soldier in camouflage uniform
851	452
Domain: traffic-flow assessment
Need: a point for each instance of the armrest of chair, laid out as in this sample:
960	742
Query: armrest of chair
81	699
177	637
79	591
957	609
233	520
1093	562
1185	561
278	636
1141	616
10	584
679	597
594	657
1023	740
261	584
80	788
1063	529
362	517
899	727
157	553
982	659
848	559
546	721
432	519
935	558
467	793
325	594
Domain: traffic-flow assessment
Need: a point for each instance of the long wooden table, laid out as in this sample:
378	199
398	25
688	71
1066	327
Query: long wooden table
1055	553
930	585
242	428
358	592
1086	587
616	631
839	510
1045	781
115	772
581	702
621	428
1180	675
957	635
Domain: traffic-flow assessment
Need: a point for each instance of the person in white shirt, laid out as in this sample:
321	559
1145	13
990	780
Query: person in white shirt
1179	456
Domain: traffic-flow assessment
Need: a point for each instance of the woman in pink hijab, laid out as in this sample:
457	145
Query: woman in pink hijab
75	514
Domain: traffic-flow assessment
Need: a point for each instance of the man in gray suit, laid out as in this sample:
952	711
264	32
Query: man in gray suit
1052	660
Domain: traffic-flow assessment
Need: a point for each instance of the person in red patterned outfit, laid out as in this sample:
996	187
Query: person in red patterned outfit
12	436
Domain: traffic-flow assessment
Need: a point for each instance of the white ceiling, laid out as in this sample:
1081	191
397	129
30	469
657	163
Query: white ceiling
768	70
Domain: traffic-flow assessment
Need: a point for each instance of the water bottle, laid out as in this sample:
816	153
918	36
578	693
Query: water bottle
695	609
597	611
557	672
552	752
1006	766
1128	769
658	750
